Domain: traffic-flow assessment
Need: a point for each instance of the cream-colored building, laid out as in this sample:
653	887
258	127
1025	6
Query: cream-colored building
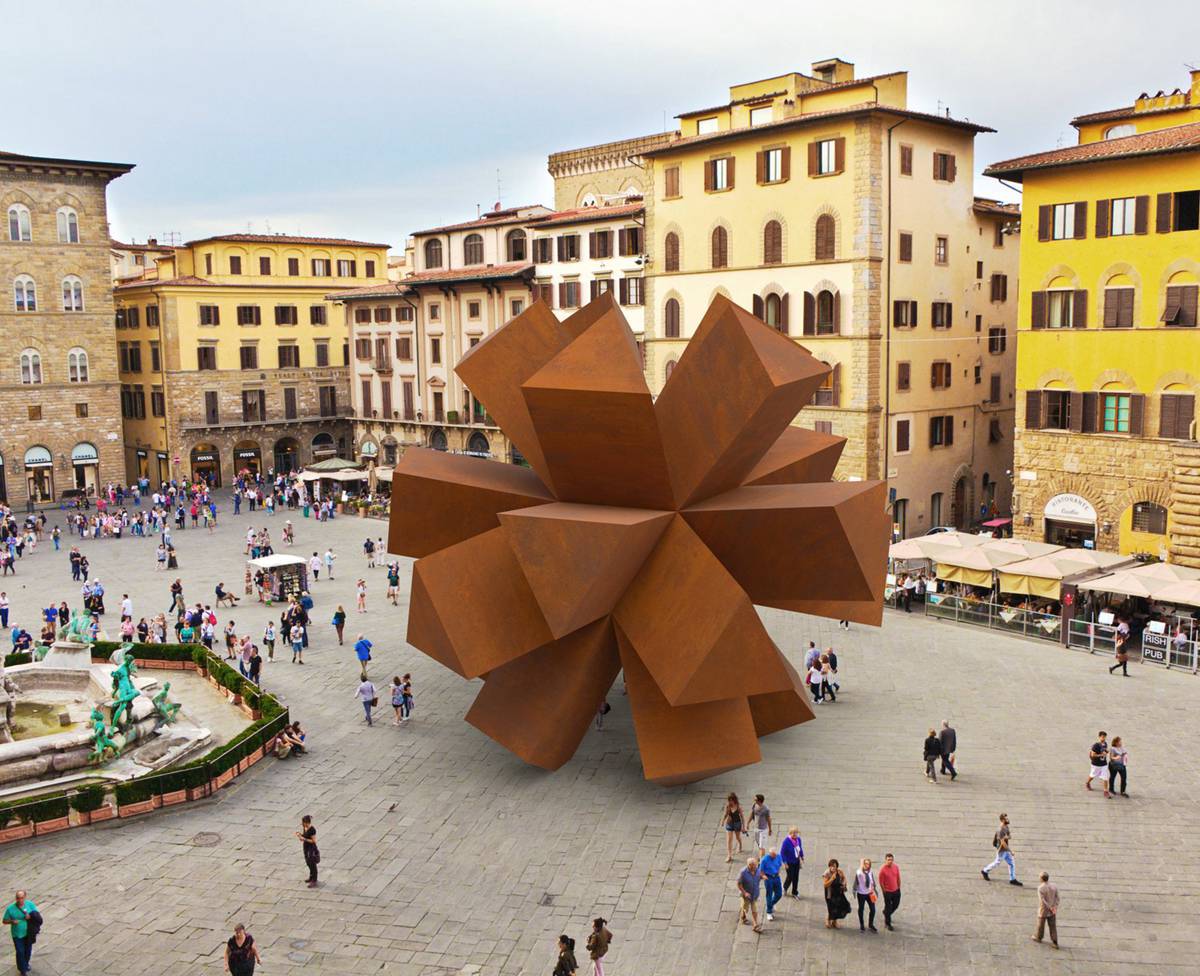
844	218
135	260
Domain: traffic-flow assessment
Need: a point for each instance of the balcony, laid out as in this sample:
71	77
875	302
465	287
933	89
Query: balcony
383	364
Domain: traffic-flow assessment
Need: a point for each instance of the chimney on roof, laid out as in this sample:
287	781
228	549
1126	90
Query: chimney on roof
833	70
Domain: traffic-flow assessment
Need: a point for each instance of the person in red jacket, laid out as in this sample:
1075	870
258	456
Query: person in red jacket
889	882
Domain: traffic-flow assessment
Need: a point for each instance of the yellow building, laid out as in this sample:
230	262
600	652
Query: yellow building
1108	361
246	362
848	220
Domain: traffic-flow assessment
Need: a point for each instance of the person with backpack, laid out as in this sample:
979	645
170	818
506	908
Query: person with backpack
1000	841
566	964
598	942
26	922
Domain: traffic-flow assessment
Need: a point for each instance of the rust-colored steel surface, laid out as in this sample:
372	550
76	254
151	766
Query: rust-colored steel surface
639	539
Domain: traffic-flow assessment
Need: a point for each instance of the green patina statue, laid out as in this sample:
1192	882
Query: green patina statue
102	741
126	669
77	630
166	709
124	692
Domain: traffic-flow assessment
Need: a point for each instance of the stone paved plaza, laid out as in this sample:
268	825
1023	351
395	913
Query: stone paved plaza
443	854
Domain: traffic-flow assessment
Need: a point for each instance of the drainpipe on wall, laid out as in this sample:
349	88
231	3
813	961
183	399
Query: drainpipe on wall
887	314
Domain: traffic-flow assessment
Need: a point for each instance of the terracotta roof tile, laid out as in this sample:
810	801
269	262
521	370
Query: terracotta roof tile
284	239
831	86
994	207
477	273
190	281
1129	112
581	215
862	108
1179	138
497	218
388	289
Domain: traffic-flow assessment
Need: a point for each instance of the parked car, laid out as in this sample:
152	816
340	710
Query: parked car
941	528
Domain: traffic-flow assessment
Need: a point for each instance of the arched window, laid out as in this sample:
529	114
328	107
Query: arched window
773	312
720	247
669	370
671	252
1119	131
68	226
473	249
18	223
77	365
773	242
25	294
671	319
824	247
31	366
433	253
72	294
515	245
827	313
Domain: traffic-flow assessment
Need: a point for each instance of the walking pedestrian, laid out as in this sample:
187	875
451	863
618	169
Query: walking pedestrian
360	596
296	637
932	751
4	610
1047	910
241	953
733	822
1118	760
362	650
866	890
889	882
312	854
760	816
1122	657
1002	841
792	852
598	942
814	681
1099	763
748	886
827	679
566	964
314	567
368	696
25	920
949	740
269	640
408	698
255	667
837	905
339	622
770	866
397	699
329	558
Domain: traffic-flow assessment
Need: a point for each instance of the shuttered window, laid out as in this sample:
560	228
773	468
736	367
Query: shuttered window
718	174
942	315
1180	309
906	244
773	165
826	157
773	242
1175	414
997	340
1118	308
903	436
671	182
999	284
941	431
600	244
568	247
720	247
939	376
944	169
903	376
671	252
629	241
904	314
823	245
543	250
671	319
629	291
568	294
906	160
1062	221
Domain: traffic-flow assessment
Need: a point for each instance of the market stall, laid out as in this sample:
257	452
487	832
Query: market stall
333	474
284	576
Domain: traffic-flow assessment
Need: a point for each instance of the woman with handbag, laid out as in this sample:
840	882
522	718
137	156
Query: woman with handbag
1122	657
732	820
837	905
866	889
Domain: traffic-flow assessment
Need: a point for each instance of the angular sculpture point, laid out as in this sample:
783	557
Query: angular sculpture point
639	538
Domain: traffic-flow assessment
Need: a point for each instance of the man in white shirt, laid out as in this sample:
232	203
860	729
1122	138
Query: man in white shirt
329	558
314	566
126	606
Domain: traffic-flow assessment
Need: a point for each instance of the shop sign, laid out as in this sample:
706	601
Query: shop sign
1070	508
1154	647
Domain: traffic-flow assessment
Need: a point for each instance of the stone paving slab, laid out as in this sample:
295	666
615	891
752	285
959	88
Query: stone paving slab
442	854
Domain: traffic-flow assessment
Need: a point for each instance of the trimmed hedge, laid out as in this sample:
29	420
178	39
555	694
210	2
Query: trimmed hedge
46	808
89	798
11	660
135	791
148	652
251	697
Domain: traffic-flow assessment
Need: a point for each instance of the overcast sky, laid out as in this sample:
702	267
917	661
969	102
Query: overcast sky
375	118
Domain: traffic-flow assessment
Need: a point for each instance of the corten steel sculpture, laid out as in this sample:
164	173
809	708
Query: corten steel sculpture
640	537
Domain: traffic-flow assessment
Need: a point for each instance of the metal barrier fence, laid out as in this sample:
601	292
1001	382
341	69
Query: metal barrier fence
995	616
206	772
1086	635
1170	651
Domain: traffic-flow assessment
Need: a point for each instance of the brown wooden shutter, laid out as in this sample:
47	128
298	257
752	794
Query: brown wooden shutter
912	313
1080	220
839	154
1167	416
708	175
1075	412
1110	307
729	172
896	306
903	376
1141	219
1091	413
933	422
1185	408
1162	218
813	159
906	242
936	159
1103	208
1188	303
783	314
1033	409
757	305
837	313
785	163
1045	221
760	166
594	288
1079	311
1137	413
1038	310
948	430
953	168
623	291
562	294
1125	308
810	314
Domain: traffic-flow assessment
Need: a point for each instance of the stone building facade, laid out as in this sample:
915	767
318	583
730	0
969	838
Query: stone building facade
246	361
598	174
60	419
